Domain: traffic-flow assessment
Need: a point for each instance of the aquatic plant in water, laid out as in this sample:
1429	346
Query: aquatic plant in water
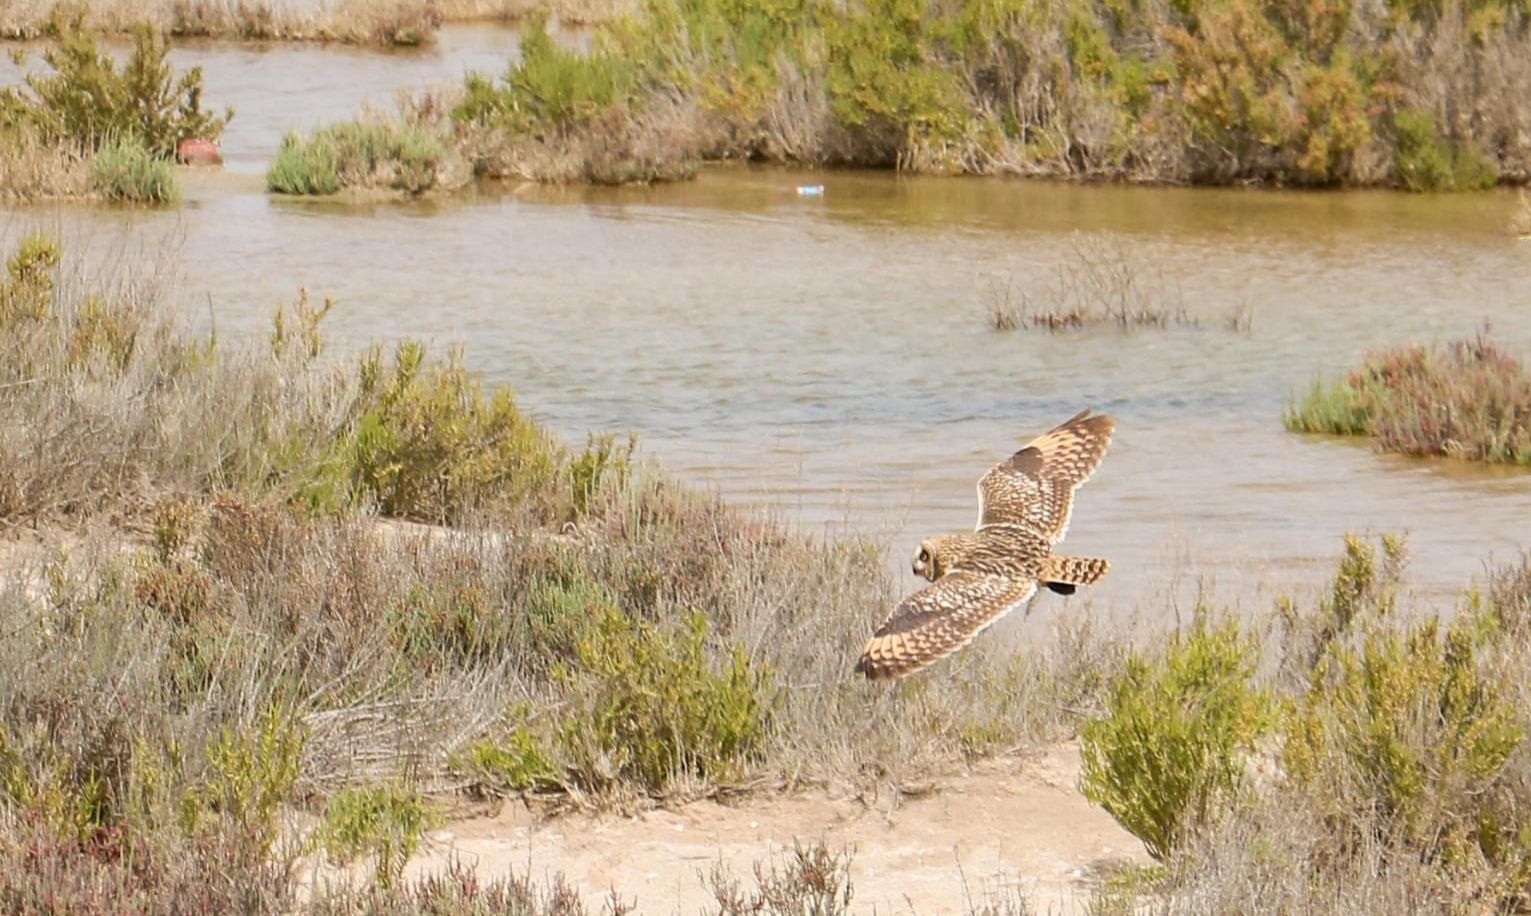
1467	399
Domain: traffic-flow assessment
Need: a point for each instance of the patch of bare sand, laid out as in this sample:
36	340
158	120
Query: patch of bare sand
1009	825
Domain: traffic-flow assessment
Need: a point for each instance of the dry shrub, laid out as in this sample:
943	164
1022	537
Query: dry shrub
33	169
1271	857
1468	399
43	873
109	403
808	880
461	891
1520	222
102	384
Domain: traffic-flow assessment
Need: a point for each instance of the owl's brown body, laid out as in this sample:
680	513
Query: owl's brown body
1024	507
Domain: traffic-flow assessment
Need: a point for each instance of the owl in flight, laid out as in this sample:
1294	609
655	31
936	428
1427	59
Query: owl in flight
977	577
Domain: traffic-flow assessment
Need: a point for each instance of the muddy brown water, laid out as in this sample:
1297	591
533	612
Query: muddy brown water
829	356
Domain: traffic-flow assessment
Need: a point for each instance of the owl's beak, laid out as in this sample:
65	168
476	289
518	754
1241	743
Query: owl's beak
918	566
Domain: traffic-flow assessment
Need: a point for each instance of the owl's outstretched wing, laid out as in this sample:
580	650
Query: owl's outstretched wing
938	620
1034	488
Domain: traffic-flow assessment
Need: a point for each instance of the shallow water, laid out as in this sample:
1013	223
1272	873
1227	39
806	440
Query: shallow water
829	356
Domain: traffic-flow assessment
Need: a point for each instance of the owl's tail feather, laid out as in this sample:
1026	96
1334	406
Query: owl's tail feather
1064	574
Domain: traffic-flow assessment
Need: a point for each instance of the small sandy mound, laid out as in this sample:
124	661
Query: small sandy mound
1016	824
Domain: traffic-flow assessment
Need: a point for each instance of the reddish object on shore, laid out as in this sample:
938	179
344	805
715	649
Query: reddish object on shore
192	151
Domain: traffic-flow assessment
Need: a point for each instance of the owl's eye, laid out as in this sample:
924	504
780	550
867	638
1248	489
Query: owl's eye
924	556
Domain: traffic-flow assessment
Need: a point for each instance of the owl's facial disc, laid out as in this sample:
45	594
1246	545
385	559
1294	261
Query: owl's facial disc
925	562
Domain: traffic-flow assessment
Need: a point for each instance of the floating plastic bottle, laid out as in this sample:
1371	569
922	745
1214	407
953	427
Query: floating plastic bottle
810	190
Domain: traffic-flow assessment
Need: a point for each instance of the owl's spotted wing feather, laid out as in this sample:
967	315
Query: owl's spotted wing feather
940	619
1034	488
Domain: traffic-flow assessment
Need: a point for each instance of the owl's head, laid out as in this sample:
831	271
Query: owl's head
930	561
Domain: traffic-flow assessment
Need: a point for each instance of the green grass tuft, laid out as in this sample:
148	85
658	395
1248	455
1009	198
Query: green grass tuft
360	154
127	172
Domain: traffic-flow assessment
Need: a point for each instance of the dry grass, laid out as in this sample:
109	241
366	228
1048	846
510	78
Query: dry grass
1467	399
362	22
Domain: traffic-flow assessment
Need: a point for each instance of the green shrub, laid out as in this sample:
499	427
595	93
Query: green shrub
603	463
431	444
26	293
1410	735
1169	753
127	171
1426	161
517	763
550	87
251	774
383	821
650	706
1363	589
1337	408
90	104
1290	92
881	81
1468	399
560	605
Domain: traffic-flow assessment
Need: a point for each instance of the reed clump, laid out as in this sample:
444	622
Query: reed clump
1466	399
1098	284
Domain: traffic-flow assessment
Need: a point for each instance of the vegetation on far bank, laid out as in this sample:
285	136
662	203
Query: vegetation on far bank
1404	95
379	23
1467	399
92	128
